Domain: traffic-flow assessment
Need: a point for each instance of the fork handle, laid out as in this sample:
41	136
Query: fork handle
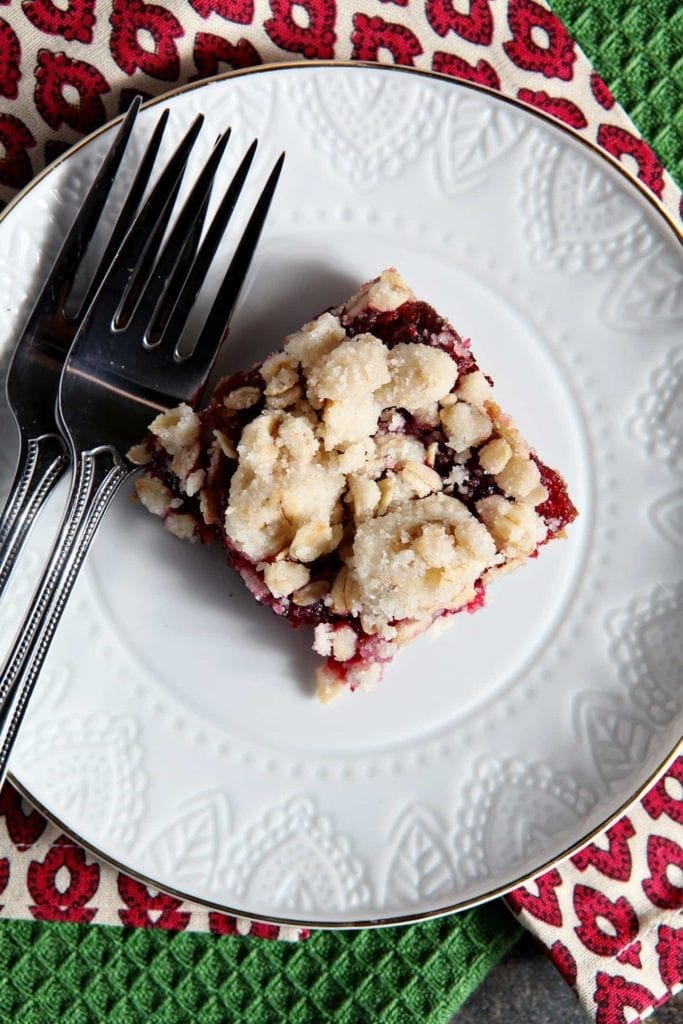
96	476
40	464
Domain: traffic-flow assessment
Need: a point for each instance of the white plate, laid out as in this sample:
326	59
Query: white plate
175	728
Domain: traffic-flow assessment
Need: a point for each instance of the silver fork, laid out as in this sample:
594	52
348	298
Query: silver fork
33	375
123	368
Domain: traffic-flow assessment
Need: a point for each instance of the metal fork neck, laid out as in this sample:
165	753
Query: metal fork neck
96	477
40	463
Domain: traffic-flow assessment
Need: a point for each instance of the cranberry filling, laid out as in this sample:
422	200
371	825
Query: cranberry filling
214	417
558	510
413	322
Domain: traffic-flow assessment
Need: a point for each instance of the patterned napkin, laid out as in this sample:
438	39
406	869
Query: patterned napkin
65	69
611	917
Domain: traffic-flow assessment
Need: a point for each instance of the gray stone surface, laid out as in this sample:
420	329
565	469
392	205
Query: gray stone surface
525	988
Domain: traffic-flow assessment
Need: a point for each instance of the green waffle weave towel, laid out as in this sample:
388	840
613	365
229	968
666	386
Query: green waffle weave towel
637	47
80	974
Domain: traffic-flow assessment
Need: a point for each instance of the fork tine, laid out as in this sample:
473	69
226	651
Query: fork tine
128	210
180	246
147	226
62	275
171	291
172	316
216	324
146	258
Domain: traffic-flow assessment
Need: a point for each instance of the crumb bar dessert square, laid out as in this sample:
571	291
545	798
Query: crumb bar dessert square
362	480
